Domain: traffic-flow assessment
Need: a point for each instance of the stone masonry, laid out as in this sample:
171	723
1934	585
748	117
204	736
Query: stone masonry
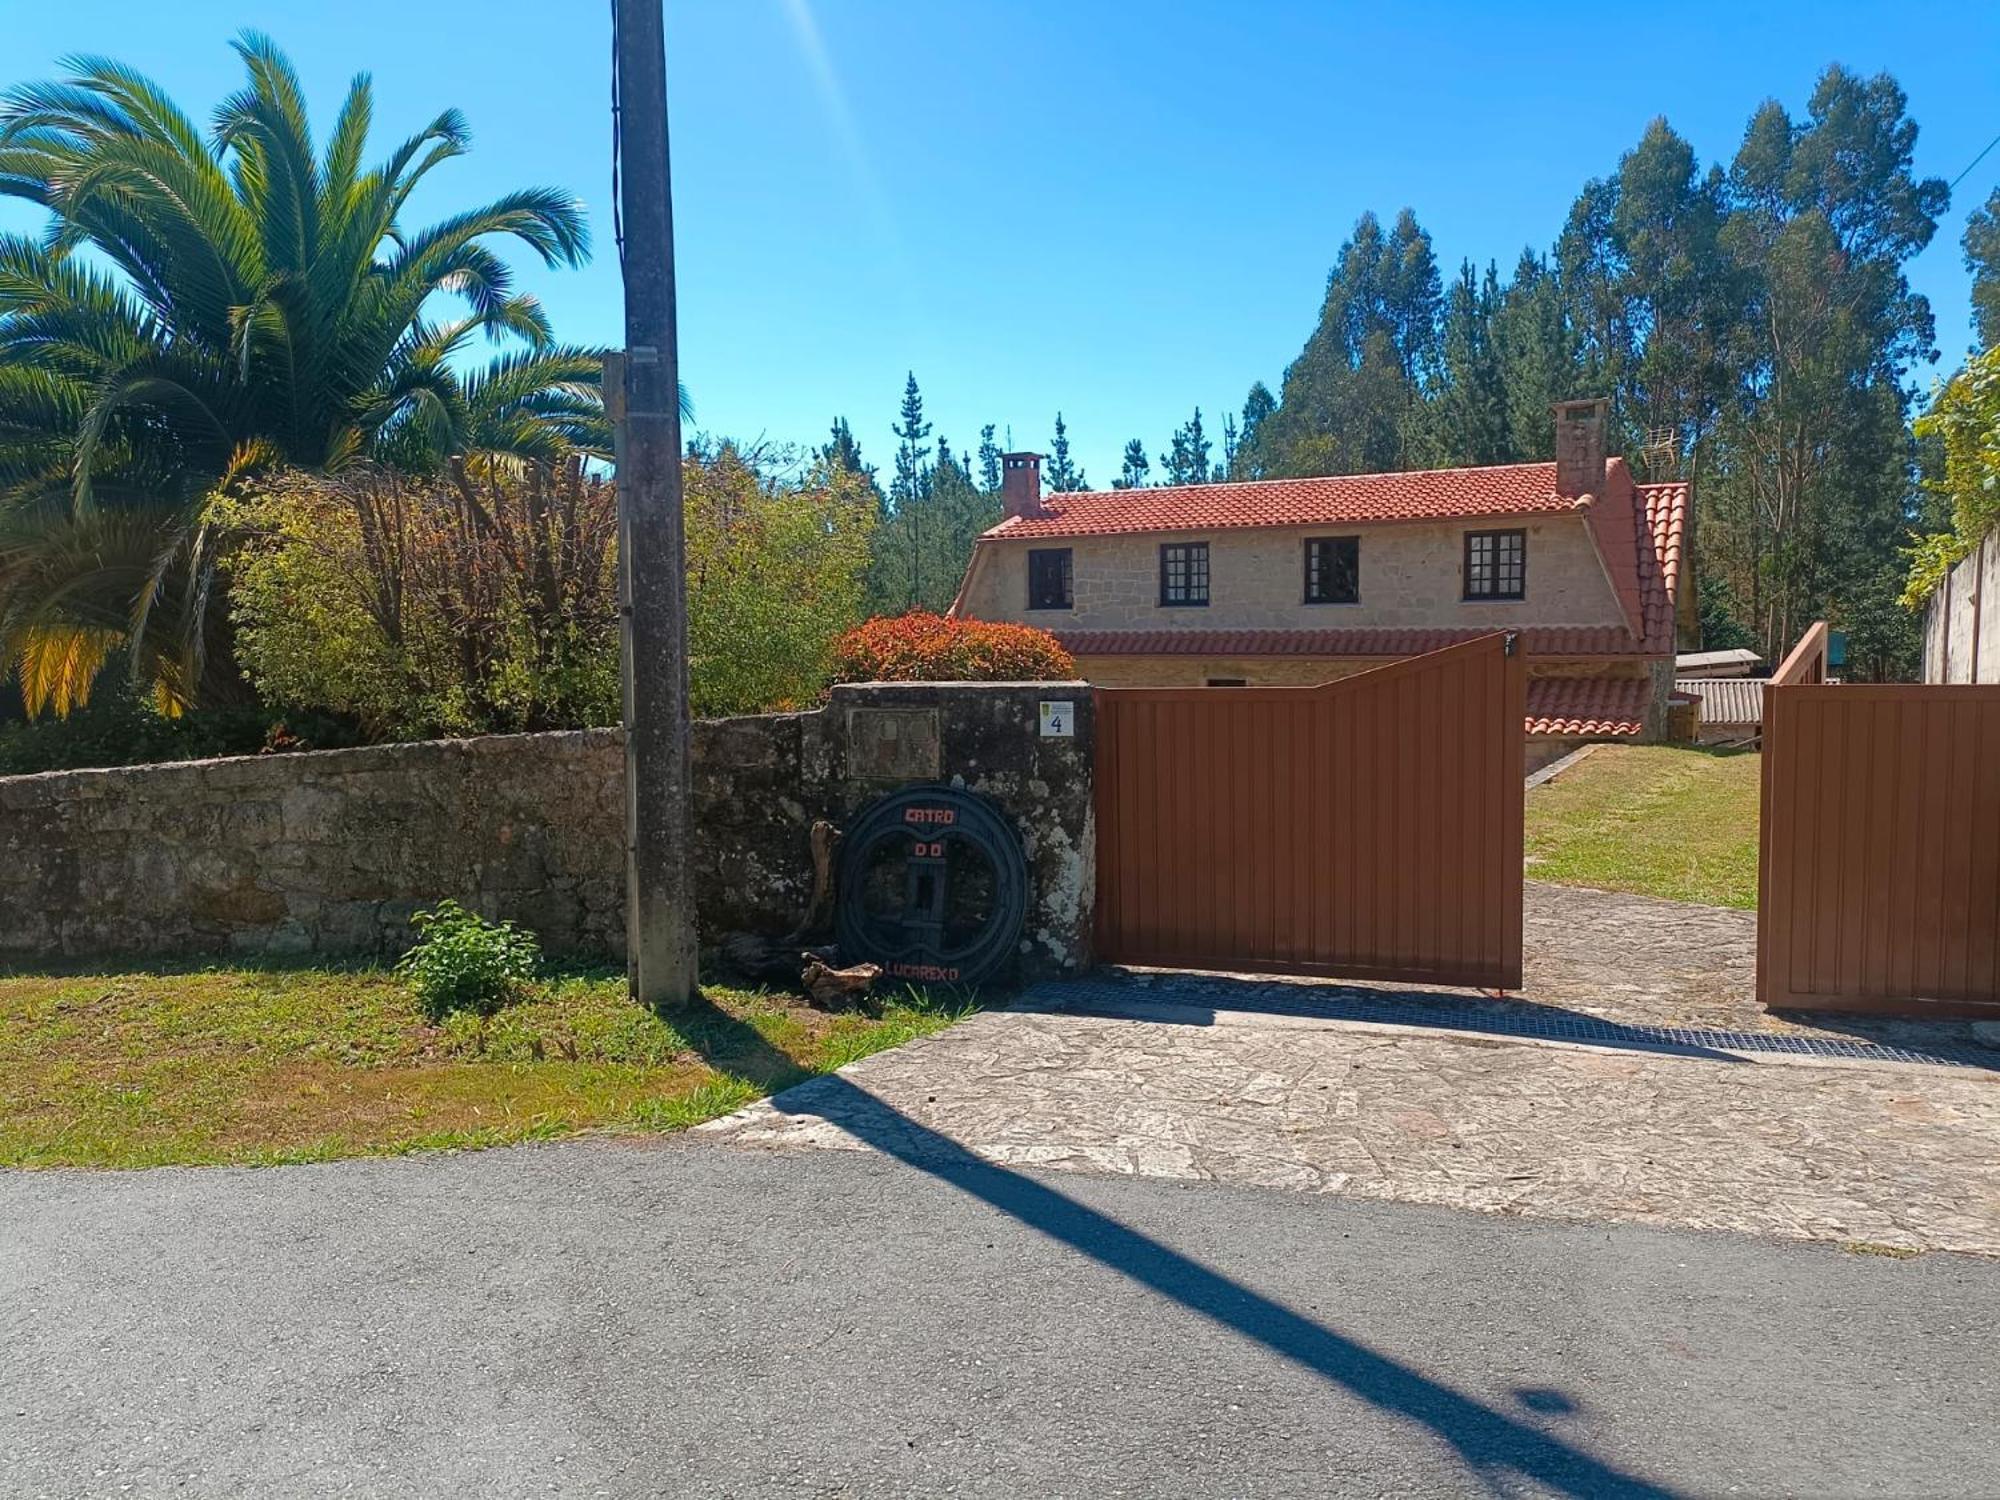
330	852
1410	577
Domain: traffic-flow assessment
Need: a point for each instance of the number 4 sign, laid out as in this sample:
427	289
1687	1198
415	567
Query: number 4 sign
1058	720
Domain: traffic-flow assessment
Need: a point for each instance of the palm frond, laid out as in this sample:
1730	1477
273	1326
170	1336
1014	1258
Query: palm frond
208	304
266	128
56	665
341	172
549	222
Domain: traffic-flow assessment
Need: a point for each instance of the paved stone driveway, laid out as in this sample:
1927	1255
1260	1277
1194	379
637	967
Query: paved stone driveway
1897	1155
1891	1155
1637	959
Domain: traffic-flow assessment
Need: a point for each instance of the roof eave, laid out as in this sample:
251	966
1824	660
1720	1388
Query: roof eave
1002	533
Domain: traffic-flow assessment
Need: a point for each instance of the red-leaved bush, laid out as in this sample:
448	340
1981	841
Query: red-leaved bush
920	647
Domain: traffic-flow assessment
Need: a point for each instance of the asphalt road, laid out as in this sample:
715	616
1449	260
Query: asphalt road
681	1317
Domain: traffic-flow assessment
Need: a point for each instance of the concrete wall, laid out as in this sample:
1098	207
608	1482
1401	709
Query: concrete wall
1962	622
1410	576
330	852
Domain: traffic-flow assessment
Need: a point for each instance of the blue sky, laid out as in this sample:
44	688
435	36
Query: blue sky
1116	209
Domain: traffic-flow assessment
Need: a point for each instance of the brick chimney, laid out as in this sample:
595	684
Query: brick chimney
1580	447
1021	485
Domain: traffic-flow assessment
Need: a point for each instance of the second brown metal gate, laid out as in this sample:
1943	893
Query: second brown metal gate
1368	829
1879	882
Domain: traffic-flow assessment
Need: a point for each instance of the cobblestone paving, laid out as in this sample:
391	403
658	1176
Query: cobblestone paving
1646	962
1634	958
1898	1156
1891	1155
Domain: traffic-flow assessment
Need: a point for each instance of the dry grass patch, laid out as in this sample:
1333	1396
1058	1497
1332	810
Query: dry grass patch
149	1068
1656	820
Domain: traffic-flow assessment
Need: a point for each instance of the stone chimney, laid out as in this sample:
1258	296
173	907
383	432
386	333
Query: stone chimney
1580	447
1021	485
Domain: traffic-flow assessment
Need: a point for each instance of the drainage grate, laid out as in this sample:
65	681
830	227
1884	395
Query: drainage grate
1496	1018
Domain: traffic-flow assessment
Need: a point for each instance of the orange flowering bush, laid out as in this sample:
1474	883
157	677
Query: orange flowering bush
920	647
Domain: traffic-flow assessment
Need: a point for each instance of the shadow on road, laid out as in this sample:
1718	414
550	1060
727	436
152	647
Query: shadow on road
1488	1440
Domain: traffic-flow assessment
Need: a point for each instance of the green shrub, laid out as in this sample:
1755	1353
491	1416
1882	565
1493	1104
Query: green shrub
462	962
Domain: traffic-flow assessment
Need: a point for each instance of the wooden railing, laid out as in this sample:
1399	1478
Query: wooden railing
1807	660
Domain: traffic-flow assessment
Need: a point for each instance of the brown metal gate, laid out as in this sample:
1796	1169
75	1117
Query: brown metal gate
1368	829
1879	870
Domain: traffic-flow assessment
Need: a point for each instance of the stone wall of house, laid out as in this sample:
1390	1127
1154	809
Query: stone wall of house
1198	671
330	852
1410	576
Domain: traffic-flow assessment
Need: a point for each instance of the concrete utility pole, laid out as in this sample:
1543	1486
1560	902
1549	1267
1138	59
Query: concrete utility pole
659	894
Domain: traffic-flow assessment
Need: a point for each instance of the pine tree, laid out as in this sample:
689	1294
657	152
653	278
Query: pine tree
1257	407
1063	475
841	449
912	468
1537	356
1467	405
956	512
1186	461
1982	258
1352	399
989	460
1137	466
898	578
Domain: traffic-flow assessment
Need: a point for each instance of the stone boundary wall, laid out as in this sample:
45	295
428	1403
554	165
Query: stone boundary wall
1962	621
330	852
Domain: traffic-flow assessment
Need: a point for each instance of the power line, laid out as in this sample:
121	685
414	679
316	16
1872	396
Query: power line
1973	163
617	131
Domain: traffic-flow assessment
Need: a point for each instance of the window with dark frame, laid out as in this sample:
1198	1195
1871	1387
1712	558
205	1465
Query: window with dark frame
1333	570
1184	573
1050	580
1496	564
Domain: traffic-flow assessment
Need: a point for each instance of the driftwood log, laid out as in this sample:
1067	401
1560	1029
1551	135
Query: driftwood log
818	920
817	973
831	988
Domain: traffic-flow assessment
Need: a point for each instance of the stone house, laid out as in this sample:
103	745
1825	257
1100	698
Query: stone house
1306	580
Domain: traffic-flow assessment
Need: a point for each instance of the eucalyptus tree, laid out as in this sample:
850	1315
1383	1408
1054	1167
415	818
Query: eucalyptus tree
209	304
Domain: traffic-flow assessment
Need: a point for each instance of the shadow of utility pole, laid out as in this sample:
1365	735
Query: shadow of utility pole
1489	1441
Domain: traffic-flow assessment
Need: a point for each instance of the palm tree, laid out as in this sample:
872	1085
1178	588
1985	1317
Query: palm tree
206	306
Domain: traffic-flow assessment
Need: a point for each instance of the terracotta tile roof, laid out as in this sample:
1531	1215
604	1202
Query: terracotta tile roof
1341	499
1593	706
1556	640
1640	530
1660	556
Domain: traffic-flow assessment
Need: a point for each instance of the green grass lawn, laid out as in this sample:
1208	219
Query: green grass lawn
1657	820
146	1068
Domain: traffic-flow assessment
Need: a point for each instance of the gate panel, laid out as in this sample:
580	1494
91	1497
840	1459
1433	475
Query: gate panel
1879	857
1367	829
